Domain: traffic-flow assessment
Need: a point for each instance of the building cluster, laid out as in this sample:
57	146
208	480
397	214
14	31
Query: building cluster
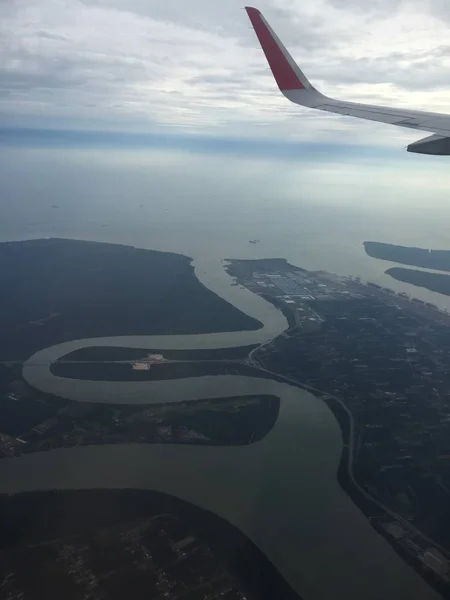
144	364
295	289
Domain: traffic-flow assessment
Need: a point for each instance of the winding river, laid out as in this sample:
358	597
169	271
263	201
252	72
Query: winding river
281	492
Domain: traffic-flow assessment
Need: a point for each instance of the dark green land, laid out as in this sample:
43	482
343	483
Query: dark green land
416	257
36	521
112	371
155	557
435	282
57	290
100	353
32	421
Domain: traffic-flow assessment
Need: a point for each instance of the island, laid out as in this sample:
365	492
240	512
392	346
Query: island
132	355
51	423
416	257
148	368
435	282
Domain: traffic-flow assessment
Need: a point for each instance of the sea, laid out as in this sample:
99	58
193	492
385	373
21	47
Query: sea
209	208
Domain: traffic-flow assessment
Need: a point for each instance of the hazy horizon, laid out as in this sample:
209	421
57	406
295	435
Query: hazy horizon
118	99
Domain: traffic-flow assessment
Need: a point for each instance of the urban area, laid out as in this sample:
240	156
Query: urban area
381	362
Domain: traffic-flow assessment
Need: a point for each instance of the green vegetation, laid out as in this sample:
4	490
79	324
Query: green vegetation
416	257
57	290
435	282
105	353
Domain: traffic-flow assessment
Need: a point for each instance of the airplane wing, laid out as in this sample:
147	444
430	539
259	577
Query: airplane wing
296	87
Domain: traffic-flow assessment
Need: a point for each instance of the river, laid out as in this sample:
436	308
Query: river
282	492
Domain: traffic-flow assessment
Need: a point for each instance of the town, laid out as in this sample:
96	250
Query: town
386	358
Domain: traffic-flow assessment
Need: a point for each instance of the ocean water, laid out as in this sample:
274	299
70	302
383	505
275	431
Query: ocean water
315	215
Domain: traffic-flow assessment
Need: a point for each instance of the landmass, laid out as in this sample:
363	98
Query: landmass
415	257
54	290
118	353
33	421
380	361
147	369
418	257
435	282
158	556
119	543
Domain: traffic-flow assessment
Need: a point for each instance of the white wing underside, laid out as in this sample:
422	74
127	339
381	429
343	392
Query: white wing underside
297	88
412	119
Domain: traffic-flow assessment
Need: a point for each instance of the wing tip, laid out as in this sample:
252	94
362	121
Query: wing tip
277	56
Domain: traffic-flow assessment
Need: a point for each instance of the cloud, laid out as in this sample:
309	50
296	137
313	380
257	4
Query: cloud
146	65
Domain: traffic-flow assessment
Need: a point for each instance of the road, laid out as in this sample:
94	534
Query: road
349	445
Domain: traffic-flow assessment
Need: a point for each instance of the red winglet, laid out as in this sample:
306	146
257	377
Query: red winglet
283	72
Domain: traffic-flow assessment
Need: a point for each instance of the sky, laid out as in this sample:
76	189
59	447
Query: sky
191	78
196	68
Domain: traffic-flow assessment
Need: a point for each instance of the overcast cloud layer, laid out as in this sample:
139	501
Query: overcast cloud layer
147	65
